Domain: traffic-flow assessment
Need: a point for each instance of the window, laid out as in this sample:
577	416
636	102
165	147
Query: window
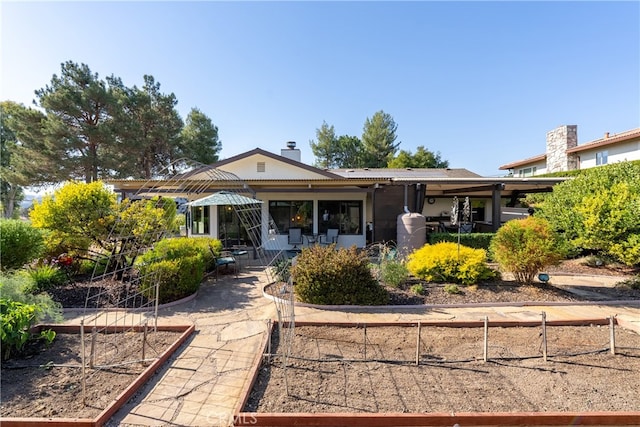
230	229
200	220
343	215
262	167
527	172
297	213
601	157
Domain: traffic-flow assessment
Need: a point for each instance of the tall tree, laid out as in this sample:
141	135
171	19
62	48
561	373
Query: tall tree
11	192
349	152
24	160
423	158
200	138
150	129
378	140
325	149
78	129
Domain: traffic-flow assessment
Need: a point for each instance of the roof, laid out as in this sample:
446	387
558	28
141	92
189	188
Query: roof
606	140
417	174
277	157
528	161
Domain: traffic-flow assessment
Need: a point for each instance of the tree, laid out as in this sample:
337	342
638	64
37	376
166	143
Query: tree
200	138
11	193
150	129
77	216
78	131
349	152
378	140
326	149
421	159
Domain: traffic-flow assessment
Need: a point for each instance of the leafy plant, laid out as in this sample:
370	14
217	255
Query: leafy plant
525	247
21	243
45	276
15	324
16	286
393	272
326	275
448	262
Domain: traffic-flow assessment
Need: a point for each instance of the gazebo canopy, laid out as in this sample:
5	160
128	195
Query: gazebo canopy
224	198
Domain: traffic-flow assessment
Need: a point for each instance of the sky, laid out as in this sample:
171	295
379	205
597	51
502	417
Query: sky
480	83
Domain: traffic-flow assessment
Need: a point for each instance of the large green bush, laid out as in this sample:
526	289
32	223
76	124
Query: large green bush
177	266
336	276
447	262
526	246
597	211
20	243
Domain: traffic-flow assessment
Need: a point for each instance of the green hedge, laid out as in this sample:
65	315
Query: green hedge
177	265
470	240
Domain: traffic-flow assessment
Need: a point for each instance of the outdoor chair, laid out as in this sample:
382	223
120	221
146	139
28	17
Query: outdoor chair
295	237
329	238
226	260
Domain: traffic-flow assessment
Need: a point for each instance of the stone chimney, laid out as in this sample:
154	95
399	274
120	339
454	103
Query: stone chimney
559	141
291	152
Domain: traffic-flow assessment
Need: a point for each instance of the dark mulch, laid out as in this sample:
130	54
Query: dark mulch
107	293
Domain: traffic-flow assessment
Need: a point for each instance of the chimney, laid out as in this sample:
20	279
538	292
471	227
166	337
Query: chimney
291	152
606	135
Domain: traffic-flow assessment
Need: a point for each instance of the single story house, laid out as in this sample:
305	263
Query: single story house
363	204
564	154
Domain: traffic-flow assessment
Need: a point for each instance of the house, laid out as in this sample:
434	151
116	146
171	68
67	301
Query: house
363	204
564	154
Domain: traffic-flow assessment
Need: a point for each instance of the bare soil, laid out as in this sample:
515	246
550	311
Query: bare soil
328	371
47	382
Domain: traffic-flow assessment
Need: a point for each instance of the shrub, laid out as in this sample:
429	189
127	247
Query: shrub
20	243
177	265
329	275
449	262
175	278
524	247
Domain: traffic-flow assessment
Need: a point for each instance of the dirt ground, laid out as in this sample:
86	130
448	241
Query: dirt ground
327	371
48	382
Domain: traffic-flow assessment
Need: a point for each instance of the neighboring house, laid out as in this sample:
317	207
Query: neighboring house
564	153
363	204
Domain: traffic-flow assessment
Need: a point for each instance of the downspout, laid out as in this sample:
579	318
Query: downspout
406	199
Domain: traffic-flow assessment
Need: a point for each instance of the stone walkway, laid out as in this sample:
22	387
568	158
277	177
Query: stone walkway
202	384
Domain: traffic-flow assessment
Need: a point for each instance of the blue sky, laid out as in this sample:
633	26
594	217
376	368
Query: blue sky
479	82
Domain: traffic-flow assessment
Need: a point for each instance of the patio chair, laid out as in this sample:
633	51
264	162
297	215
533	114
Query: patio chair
329	238
295	237
226	260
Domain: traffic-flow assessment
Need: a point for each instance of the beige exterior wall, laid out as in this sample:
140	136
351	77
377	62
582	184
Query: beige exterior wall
615	153
247	169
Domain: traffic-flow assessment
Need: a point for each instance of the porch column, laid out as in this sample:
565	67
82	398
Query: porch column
495	206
